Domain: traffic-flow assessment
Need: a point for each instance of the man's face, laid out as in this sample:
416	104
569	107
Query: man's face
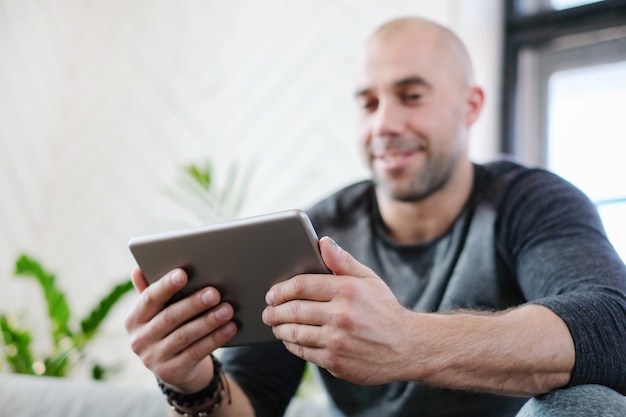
411	115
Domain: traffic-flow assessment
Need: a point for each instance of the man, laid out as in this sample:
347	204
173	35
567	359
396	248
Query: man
458	289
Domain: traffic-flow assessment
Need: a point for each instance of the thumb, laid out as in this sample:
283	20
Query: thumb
138	280
341	262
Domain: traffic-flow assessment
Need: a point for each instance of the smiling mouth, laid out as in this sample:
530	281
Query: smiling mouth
394	161
391	157
393	149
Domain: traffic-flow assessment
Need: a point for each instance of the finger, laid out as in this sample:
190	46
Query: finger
297	311
189	363
308	353
303	335
150	301
138	279
155	296
341	262
314	287
210	325
175	315
180	325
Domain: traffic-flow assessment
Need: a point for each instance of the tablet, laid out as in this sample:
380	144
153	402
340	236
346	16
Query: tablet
241	258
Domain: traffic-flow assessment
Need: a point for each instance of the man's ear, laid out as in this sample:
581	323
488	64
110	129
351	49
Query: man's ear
475	100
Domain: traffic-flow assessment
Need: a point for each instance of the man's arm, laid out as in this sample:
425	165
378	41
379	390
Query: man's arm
352	325
523	351
552	237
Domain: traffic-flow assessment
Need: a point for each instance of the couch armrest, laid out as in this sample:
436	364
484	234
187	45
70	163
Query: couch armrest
30	396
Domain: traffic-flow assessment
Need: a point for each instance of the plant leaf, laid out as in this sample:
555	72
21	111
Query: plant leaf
58	309
17	350
90	324
201	175
59	363
98	372
101	372
206	199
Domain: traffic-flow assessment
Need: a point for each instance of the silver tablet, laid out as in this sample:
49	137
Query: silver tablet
241	258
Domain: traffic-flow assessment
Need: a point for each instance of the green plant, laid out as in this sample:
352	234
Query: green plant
309	387
199	192
68	344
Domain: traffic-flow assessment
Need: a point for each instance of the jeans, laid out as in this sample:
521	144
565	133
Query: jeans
579	401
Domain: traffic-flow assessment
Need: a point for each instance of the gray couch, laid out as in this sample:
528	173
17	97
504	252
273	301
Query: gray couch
28	396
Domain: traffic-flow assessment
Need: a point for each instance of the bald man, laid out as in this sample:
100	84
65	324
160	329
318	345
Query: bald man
458	289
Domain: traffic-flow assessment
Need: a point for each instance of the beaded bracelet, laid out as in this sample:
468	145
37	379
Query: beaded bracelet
215	391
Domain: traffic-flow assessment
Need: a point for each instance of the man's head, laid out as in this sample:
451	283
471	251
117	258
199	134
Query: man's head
417	100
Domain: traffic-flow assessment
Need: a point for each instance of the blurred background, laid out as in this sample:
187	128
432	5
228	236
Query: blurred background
103	105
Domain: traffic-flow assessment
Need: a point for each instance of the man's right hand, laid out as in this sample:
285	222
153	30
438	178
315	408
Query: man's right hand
175	341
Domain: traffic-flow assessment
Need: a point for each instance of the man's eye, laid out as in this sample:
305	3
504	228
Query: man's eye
369	104
412	97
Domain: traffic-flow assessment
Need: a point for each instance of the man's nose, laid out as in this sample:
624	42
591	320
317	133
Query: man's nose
388	120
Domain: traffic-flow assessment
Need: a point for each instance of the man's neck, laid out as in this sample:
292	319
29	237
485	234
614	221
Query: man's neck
425	220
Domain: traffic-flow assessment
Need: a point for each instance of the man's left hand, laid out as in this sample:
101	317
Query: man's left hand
349	323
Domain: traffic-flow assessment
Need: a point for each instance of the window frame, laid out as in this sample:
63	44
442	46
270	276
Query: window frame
537	30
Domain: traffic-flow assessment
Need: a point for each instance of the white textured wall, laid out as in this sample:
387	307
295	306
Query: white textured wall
101	102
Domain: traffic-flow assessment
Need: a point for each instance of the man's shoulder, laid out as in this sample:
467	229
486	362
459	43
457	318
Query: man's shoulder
528	192
504	177
499	170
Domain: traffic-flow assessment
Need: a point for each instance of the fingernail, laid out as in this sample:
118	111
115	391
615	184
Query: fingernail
209	297
269	297
177	277
335	245
222	312
229	329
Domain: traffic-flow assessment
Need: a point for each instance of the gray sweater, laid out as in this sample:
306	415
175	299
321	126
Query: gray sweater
525	236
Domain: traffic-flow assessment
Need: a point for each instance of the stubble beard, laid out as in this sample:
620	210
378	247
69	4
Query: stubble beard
434	176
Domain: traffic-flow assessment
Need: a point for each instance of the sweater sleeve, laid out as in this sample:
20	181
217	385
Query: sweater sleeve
267	373
563	260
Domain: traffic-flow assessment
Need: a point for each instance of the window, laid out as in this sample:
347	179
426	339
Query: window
564	97
586	138
530	7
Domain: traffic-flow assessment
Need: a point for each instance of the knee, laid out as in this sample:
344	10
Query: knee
582	400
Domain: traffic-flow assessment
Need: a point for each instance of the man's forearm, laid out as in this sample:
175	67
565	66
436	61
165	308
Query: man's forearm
525	351
238	405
